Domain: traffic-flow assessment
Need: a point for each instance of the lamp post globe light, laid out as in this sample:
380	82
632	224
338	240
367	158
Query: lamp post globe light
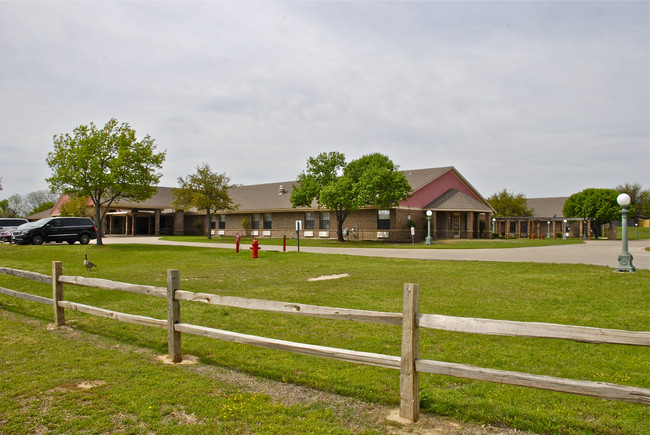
564	233
625	258
494	225
429	239
548	229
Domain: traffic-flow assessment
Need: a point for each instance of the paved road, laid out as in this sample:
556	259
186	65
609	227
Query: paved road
597	252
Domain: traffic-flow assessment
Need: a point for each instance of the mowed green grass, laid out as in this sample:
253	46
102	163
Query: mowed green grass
634	233
567	294
334	243
56	381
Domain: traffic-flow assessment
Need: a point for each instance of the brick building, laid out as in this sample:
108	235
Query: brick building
459	211
547	221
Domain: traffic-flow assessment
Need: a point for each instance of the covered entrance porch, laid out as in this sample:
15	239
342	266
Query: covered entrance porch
138	222
459	225
457	215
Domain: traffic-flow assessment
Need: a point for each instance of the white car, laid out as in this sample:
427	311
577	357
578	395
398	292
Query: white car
7	227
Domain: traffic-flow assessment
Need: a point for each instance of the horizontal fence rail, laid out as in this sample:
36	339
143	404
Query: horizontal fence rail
292	308
602	390
409	363
122	317
25	296
534	329
375	359
33	276
105	284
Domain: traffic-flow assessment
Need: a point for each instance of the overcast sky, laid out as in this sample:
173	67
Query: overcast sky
544	98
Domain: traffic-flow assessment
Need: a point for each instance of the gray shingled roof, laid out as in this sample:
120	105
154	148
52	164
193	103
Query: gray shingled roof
418	178
161	200
259	197
547	207
263	197
41	214
455	200
267	197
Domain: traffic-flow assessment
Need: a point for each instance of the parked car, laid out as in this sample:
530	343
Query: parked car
56	229
6	235
8	225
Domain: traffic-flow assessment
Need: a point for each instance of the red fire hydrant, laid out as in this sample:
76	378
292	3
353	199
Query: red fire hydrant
256	247
237	243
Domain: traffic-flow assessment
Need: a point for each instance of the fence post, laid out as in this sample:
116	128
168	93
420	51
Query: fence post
57	294
173	316
409	384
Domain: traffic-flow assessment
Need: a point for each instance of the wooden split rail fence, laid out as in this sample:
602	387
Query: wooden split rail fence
409	363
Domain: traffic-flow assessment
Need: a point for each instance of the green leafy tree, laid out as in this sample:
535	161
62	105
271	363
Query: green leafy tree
639	199
507	204
75	206
42	207
39	200
21	206
205	190
372	180
14	206
105	165
5	210
643	207
597	204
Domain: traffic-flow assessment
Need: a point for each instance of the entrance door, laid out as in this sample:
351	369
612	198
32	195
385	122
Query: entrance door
455	222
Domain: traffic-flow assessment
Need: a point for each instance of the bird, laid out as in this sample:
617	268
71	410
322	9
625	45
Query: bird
88	264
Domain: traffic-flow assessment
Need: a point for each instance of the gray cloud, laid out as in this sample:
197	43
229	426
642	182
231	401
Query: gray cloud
544	98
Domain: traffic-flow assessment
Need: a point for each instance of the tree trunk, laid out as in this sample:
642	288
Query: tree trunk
341	215
209	224
99	224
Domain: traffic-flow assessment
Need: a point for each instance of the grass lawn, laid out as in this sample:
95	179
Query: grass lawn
437	244
42	371
64	382
634	233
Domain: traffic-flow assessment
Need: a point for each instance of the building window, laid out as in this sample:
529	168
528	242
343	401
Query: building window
222	221
324	220
268	222
255	222
309	220
383	219
213	222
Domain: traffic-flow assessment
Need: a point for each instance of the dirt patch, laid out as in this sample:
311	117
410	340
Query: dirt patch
84	385
90	384
187	360
53	327
180	417
326	277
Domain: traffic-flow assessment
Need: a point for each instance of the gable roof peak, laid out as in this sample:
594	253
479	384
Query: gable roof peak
418	178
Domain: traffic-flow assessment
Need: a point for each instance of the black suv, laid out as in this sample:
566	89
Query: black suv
56	229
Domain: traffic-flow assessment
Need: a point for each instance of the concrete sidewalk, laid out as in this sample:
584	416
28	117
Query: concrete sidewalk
596	252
